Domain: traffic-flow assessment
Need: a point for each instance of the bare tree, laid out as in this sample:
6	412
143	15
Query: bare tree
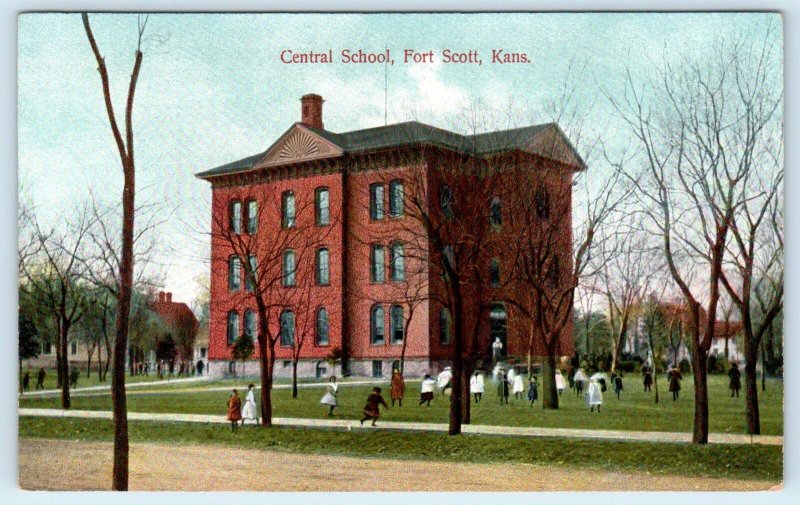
272	262
52	272
699	129
627	277
756	260
551	262
126	264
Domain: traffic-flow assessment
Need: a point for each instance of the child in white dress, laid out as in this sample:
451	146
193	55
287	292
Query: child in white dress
249	409
330	395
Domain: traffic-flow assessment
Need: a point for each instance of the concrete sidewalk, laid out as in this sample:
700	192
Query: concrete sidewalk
106	390
107	387
514	431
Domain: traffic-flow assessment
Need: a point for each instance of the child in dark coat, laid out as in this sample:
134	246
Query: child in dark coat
533	390
372	408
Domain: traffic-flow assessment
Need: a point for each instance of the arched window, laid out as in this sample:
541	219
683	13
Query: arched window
376	201
287	327
377	325
252	217
322	206
323	327
287	210
542	203
248	280
233	326
396	324
446	202
236	217
396	203
323	267
494	273
496	212
234	273
397	261
250	323
445	326
377	272
289	268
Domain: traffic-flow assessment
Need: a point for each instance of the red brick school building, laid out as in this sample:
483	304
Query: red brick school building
328	214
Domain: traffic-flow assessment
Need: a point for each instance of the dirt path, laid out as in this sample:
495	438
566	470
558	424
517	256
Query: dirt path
69	465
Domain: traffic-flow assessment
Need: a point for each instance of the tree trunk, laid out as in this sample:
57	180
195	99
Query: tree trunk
294	378
64	364
456	396
549	390
763	369
618	344
466	399
751	387
699	358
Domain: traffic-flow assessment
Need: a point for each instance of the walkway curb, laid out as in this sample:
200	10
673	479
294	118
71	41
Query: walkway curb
514	431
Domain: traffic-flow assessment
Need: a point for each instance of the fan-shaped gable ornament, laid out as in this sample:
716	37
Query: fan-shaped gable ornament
298	144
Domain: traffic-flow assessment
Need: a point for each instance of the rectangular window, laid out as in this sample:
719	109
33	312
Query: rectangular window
48	348
234	274
73	348
236	217
289	269
203	352
377	272
396	199
323	210
248	282
397	261
377	368
288	210
376	201
323	268
252	217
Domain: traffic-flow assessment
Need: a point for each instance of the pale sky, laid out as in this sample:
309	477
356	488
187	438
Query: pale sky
212	89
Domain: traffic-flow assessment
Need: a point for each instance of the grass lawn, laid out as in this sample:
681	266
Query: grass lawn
635	411
751	462
83	381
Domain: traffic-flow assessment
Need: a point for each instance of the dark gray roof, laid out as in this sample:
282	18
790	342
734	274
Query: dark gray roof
404	134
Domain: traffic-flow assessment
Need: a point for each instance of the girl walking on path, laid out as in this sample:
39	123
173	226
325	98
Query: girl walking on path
234	410
398	387
329	398
249	410
372	408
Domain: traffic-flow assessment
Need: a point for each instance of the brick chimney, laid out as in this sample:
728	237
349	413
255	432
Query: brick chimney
312	111
161	296
169	298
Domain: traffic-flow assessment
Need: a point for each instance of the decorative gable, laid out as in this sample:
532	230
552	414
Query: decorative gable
296	145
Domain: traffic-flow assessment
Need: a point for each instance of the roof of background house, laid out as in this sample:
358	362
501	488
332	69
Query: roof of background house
173	313
727	329
410	133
